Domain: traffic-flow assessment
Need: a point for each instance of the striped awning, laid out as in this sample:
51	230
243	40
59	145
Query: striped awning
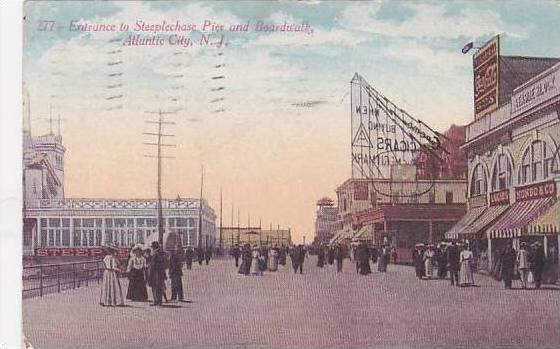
547	223
520	215
464	222
341	235
362	234
486	218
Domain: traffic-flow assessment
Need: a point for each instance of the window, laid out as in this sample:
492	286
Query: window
478	183
432	197
538	163
501	176
448	197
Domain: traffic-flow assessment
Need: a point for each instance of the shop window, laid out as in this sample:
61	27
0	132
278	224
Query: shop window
432	197
478	182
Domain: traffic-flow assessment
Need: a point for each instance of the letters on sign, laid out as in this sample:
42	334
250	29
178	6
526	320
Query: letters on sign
77	252
486	78
536	191
499	198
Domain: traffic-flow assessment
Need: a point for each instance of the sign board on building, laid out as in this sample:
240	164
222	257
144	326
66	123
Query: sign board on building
382	133
486	77
78	252
536	191
499	198
533	93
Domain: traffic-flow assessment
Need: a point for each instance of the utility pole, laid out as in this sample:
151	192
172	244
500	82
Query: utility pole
221	219
200	209
159	144
238	228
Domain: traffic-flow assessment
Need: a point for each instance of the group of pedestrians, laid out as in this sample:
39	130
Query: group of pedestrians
446	258
527	265
148	267
257	260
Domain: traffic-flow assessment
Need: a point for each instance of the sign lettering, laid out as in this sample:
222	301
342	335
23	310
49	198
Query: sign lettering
486	77
536	191
499	198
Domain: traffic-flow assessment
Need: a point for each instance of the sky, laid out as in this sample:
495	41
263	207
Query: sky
276	138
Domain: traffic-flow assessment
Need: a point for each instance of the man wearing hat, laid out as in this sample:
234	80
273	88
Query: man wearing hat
536	261
157	273
453	263
176	274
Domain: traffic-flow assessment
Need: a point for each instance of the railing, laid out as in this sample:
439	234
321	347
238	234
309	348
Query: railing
39	280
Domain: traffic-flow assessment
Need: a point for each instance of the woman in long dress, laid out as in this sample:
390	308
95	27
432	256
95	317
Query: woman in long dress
111	291
255	267
429	262
383	259
136	270
273	260
465	274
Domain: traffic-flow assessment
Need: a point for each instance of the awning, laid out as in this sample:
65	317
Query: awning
547	223
488	217
341	235
362	234
520	215
464	222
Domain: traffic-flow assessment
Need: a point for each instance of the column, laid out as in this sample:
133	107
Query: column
545	246
431	232
37	242
71	232
135	230
489	255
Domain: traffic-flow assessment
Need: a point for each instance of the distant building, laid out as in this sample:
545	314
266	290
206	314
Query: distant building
326	221
232	236
58	226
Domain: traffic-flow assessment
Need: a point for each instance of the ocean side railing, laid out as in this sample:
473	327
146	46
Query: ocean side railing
39	280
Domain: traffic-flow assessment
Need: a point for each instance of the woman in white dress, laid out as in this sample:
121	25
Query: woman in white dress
466	277
273	260
111	291
255	266
429	261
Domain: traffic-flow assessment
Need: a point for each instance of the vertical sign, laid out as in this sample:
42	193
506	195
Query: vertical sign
486	77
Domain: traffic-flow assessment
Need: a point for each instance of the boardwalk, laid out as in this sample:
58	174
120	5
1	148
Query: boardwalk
317	309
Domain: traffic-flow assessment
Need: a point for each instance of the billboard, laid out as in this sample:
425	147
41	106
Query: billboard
486	77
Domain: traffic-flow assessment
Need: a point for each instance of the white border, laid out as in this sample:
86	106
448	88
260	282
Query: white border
10	172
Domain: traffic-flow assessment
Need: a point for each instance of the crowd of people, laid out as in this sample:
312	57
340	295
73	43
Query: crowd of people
148	268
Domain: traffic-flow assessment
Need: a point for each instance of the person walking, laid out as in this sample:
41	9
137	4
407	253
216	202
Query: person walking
466	277
339	255
157	274
273	260
236	253
537	262
383	259
111	291
255	265
453	263
300	256
321	257
418	259
429	256
364	257
508	264
200	255
245	267
394	255
136	270
208	254
189	255
523	264
441	259
176	275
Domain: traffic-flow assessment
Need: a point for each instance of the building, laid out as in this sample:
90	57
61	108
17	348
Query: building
401	211
513	163
58	226
326	221
232	236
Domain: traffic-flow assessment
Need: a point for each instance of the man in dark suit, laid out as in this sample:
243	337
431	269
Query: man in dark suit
453	261
301	257
157	273
176	274
509	256
537	261
339	254
235	252
189	255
